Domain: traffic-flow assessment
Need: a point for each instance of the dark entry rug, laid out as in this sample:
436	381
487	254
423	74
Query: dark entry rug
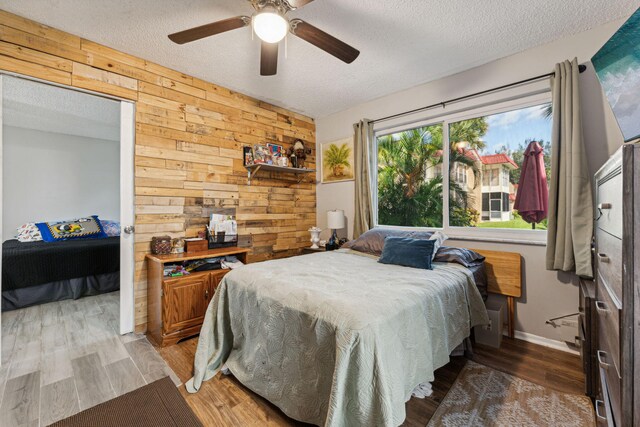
158	404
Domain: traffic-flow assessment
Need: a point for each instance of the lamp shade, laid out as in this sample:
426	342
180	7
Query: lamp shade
335	219
270	26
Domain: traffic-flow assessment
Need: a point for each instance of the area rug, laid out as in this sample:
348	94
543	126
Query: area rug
158	404
482	396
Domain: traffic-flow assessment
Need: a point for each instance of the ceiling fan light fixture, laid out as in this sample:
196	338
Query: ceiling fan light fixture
270	26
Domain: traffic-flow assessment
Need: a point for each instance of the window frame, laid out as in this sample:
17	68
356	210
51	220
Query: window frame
480	109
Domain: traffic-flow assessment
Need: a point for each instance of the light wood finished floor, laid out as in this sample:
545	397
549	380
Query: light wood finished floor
63	357
223	401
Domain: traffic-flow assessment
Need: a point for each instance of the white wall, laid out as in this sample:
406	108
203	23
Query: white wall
49	176
546	294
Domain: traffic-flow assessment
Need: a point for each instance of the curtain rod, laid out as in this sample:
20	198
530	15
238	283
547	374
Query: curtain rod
581	69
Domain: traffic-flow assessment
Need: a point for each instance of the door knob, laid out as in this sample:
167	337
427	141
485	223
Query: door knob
129	229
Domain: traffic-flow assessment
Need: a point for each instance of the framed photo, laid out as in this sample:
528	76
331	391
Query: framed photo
337	160
261	154
275	150
247	155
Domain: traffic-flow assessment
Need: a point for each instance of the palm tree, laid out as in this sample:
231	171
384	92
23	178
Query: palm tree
337	159
409	186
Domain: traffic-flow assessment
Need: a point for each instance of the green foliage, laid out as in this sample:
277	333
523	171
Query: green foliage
464	217
470	131
516	222
408	194
337	156
337	159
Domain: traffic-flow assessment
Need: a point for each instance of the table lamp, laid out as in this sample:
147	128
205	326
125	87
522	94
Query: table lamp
335	221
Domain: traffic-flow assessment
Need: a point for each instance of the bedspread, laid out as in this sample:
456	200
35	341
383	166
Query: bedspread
334	338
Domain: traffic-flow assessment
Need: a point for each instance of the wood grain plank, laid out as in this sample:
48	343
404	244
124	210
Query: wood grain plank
58	401
91	380
124	376
21	401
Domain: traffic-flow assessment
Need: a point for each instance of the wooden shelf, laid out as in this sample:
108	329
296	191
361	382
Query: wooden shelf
253	169
189	256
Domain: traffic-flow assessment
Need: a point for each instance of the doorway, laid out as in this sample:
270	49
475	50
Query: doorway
66	163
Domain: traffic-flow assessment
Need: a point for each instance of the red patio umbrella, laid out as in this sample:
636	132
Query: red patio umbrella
532	197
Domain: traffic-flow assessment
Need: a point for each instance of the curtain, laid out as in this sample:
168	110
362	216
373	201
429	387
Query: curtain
570	223
362	140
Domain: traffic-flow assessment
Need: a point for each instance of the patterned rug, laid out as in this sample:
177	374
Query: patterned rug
482	396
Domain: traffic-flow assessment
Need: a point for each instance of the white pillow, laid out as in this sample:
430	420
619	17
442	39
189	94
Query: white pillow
439	237
28	232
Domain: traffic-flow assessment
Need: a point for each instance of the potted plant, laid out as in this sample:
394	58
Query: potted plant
337	159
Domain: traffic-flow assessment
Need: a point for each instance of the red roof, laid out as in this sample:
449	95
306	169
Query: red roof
496	159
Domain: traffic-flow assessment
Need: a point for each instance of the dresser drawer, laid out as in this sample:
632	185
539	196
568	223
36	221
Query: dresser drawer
608	353
604	413
609	199
608	313
609	261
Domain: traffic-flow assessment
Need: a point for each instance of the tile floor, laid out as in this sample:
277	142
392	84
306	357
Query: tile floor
64	357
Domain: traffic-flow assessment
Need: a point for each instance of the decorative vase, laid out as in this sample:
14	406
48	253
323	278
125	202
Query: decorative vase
315	237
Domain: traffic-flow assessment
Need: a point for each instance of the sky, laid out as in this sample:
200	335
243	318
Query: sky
515	127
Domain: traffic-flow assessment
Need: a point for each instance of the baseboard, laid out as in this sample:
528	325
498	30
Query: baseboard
546	342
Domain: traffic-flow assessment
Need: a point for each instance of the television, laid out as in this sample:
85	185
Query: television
617	65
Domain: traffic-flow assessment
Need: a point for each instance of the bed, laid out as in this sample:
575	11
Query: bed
40	272
336	338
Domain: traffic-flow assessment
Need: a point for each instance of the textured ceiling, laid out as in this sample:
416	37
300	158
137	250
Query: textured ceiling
46	108
403	42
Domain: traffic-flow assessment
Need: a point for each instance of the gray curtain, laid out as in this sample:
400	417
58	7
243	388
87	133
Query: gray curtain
570	224
362	140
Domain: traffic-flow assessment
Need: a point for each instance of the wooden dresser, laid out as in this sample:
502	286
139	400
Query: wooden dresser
176	305
617	231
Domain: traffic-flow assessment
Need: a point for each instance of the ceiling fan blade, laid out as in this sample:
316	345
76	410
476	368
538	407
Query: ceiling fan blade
269	59
298	3
324	41
212	29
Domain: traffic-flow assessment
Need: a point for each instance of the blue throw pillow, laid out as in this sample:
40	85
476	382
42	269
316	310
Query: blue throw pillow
81	228
416	253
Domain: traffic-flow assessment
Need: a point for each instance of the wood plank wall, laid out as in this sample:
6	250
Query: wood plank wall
189	139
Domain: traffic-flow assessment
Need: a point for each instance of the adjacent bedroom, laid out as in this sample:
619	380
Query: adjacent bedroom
349	213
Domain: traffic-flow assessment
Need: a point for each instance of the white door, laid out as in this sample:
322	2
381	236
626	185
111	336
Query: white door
127	216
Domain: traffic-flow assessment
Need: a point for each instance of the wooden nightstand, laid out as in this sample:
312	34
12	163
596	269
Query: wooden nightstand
312	251
176	305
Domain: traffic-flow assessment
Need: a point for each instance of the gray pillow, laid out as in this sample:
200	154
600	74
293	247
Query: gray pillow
467	258
372	242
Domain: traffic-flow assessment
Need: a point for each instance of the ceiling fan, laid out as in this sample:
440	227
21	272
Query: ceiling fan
271	25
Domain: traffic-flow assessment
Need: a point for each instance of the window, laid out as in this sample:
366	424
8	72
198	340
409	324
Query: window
495	177
482	150
410	177
499	141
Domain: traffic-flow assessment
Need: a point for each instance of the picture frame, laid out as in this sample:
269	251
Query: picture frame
275	150
337	161
261	154
247	155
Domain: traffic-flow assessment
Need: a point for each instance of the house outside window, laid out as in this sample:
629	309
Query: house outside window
482	152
